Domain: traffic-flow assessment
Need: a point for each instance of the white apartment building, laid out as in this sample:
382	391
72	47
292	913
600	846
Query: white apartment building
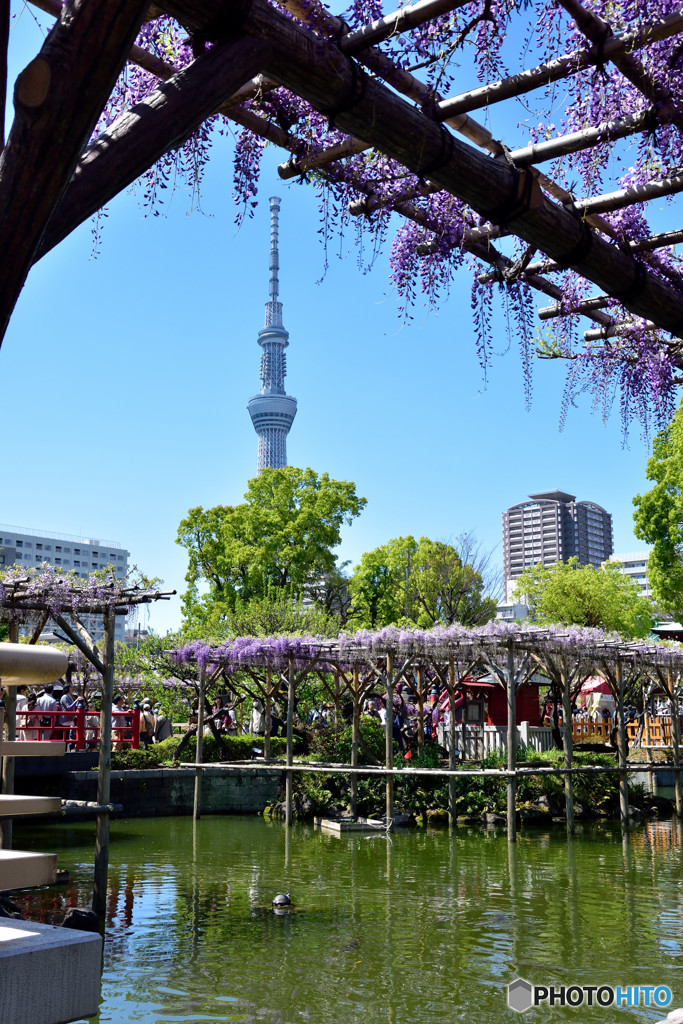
634	565
81	555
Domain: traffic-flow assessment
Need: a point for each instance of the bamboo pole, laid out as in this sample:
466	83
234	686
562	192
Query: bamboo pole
197	805
598	32
99	899
452	760
586	138
568	749
290	724
619	329
402	20
511	746
389	742
585	306
561	67
621	745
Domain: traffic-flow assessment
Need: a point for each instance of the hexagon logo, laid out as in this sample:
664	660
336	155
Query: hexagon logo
520	995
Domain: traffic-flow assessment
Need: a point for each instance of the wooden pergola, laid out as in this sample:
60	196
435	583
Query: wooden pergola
33	600
359	662
54	174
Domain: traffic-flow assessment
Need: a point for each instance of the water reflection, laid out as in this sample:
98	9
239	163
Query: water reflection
419	927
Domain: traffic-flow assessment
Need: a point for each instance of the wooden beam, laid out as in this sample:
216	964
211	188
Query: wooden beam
365	108
143	134
57	99
4	43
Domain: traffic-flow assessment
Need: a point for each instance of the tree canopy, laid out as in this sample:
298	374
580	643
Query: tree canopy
659	516
425	582
281	537
575	594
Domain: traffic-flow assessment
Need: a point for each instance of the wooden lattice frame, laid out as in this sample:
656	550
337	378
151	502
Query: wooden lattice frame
50	180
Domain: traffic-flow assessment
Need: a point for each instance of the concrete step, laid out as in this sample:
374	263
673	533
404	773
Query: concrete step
48	974
31	748
19	870
15	805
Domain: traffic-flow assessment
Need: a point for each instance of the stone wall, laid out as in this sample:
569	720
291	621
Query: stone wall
161	792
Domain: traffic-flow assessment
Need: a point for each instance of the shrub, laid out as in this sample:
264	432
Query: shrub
234	748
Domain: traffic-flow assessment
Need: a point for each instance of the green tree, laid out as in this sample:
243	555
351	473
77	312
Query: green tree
377	584
425	582
659	516
282	536
582	595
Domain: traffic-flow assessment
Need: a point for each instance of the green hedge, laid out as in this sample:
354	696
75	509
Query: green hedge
234	748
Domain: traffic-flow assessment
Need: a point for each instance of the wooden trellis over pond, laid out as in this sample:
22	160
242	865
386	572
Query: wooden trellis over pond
46	594
354	107
358	663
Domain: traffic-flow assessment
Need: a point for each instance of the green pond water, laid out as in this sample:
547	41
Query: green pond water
422	927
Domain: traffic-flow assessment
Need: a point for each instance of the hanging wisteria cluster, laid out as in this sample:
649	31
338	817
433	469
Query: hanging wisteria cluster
462	644
631	108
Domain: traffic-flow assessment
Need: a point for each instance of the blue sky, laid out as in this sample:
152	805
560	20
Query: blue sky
125	380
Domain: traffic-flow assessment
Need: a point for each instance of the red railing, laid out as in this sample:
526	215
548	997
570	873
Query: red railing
79	728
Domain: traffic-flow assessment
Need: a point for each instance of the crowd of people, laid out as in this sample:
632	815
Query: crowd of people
52	714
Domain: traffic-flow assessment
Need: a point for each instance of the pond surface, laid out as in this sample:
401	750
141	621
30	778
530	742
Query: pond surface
423	928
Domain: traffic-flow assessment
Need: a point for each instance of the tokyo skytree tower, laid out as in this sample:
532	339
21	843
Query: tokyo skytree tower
272	411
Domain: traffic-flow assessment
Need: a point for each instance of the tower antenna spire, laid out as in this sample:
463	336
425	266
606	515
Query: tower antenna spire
272	411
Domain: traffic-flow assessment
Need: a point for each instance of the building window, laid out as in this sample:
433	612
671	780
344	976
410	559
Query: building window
58	561
19	544
77	551
76	562
58	547
39	547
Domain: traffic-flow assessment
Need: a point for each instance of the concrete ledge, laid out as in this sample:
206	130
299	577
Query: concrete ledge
31	748
10	806
20	870
47	975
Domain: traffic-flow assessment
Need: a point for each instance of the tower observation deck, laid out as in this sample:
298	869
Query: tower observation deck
272	411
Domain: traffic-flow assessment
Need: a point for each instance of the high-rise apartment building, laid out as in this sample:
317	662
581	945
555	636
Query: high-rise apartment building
272	411
81	555
553	527
634	565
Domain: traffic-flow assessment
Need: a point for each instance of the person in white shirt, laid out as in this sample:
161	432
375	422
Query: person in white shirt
46	702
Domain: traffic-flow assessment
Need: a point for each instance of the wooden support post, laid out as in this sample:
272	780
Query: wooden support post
452	760
355	731
420	709
676	746
389	742
268	711
512	746
99	898
290	721
7	763
647	709
197	806
337	709
621	746
568	749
